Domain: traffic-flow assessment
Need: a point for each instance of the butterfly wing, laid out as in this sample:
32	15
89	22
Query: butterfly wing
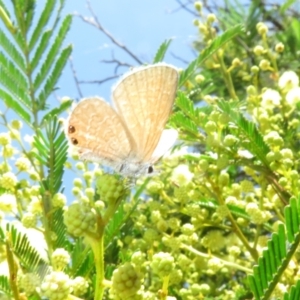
143	100
166	141
97	130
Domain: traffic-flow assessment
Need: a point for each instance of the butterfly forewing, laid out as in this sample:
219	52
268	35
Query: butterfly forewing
97	130
144	99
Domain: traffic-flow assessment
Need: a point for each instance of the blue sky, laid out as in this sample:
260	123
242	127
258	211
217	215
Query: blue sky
140	25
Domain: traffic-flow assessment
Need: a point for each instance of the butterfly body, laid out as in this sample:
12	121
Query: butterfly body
129	137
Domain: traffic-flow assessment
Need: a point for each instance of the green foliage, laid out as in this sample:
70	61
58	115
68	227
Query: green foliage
41	24
188	117
113	229
14	104
207	52
4	285
10	50
276	258
161	52
52	53
20	62
56	111
54	76
52	154
24	251
185	124
59	228
82	259
294	294
32	57
252	139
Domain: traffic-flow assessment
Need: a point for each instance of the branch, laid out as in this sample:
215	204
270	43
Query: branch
184	6
75	78
179	58
95	22
99	81
117	62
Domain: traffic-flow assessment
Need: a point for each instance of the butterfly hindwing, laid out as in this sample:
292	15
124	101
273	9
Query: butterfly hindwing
97	130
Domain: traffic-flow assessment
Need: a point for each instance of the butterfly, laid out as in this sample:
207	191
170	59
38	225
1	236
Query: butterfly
130	137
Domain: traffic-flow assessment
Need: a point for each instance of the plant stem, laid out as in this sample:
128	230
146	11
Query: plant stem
243	239
12	266
98	251
227	78
165	287
225	262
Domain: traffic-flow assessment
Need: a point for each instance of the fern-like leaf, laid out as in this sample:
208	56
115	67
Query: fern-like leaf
188	108
292	216
217	43
294	293
41	48
24	12
161	52
58	147
253	140
286	5
14	104
13	72
13	81
43	20
51	56
54	76
278	255
29	13
113	227
52	153
5	286
22	248
82	258
186	124
12	51
56	111
4	8
59	228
